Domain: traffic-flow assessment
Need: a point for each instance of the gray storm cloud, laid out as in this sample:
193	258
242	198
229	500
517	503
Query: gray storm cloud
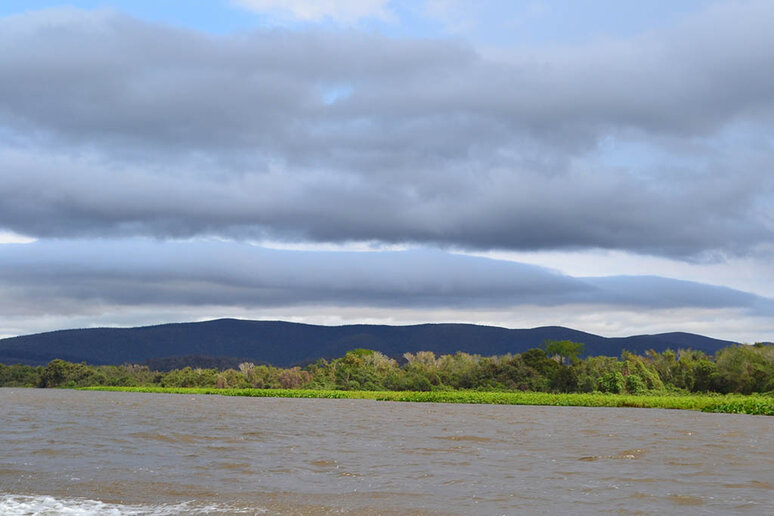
55	276
658	144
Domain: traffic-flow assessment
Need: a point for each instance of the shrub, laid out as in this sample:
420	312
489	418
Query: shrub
635	384
612	382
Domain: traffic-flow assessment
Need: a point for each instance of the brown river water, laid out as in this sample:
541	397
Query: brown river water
73	452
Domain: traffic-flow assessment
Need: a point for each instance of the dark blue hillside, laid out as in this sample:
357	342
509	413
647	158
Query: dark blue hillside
284	343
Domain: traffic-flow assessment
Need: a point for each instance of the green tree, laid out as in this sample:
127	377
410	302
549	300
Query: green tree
19	375
545	367
746	369
55	373
705	376
634	384
612	382
567	350
566	380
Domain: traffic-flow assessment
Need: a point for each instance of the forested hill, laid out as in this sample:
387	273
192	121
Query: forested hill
284	343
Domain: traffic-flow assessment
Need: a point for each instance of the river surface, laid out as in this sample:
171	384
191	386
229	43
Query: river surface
76	452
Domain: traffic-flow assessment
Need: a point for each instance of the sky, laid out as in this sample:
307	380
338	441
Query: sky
602	165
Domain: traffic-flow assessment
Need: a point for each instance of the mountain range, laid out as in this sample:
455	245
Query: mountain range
229	341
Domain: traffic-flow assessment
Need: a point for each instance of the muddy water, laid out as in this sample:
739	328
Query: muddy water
131	453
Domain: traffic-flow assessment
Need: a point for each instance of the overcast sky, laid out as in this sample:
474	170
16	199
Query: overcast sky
603	165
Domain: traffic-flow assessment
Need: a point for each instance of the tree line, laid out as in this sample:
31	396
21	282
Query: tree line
555	367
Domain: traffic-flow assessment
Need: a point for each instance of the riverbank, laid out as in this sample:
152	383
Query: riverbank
731	404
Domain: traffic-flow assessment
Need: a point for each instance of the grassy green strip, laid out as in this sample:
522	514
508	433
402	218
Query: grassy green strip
733	404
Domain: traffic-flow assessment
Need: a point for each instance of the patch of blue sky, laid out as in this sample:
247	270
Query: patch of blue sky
220	17
332	93
645	159
651	155
491	23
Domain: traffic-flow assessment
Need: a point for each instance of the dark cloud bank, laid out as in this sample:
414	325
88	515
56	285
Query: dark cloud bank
659	144
49	277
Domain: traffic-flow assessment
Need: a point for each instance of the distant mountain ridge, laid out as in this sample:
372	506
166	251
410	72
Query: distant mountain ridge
285	343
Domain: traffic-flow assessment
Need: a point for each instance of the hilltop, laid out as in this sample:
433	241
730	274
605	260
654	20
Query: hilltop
285	343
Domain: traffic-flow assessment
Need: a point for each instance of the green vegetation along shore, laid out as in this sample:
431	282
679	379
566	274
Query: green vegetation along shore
733	403
735	379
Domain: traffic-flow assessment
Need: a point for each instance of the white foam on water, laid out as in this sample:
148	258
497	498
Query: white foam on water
25	505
